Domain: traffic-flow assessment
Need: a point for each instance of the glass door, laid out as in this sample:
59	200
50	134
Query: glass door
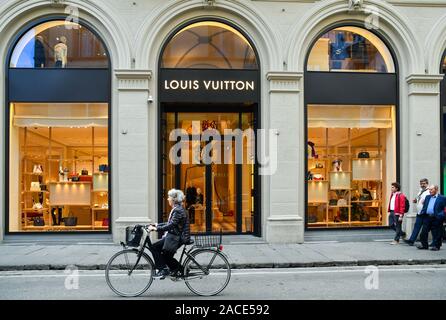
219	190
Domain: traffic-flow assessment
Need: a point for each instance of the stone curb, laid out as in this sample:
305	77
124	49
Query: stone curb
316	264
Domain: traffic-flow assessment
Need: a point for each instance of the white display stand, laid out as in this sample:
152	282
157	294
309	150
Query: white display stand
70	193
340	180
318	191
368	169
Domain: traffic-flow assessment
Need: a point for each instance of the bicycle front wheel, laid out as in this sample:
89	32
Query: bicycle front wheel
127	276
207	272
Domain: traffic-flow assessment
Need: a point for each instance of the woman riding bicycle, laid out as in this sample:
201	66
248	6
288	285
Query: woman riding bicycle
176	232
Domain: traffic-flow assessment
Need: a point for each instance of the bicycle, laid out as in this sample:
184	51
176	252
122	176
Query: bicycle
205	269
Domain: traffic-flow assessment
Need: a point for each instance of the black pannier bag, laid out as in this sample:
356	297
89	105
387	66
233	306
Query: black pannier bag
133	236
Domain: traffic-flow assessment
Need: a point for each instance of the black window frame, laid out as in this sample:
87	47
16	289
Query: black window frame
351	101
258	223
11	46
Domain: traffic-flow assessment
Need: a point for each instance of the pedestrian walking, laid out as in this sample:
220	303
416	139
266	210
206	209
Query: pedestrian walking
433	211
419	200
396	210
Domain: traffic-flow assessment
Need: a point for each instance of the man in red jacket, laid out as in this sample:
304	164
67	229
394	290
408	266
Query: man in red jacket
397	205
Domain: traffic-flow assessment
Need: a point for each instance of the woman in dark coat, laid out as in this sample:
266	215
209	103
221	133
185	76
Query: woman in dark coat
176	232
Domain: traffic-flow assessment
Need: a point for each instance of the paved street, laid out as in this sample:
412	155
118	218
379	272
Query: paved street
390	282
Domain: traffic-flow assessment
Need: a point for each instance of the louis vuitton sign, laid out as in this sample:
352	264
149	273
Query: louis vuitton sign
195	85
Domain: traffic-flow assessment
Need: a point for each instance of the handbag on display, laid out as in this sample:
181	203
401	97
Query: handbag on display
37	169
318	177
84	172
333	202
37	206
38	221
103	168
363	155
35	186
342	202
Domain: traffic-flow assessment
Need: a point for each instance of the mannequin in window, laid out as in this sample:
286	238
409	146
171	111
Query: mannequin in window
200	197
60	53
359	51
191	195
338	51
39	52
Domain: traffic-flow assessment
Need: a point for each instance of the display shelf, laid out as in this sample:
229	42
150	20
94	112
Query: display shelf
99	190
33	174
34	210
35	191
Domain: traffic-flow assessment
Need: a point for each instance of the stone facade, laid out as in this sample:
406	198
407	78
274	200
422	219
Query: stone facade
282	32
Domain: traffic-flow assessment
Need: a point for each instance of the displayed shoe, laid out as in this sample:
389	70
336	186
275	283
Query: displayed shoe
394	242
422	248
161	274
435	249
410	243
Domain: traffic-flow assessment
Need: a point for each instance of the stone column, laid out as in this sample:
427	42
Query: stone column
285	210
130	164
420	137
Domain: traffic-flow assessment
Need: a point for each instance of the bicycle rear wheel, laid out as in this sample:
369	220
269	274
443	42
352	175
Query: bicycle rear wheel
207	273
127	282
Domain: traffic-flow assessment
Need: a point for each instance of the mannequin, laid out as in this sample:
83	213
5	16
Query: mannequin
191	195
338	51
39	53
60	53
199	196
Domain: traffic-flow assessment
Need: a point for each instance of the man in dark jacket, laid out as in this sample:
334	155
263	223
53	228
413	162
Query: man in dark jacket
433	209
176	232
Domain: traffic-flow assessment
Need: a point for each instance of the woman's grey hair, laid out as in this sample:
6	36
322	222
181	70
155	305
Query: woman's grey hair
177	196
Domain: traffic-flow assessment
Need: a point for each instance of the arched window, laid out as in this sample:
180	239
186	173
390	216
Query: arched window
210	79
350	49
58	129
351	94
209	45
59	44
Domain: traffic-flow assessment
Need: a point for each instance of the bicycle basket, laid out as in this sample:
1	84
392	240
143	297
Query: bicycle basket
133	236
207	240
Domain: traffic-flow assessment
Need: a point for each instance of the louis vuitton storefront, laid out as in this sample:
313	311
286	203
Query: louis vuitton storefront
274	117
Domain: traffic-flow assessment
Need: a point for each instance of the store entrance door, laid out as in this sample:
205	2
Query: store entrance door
220	191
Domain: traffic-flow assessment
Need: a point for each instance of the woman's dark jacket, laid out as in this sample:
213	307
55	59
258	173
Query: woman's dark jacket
178	224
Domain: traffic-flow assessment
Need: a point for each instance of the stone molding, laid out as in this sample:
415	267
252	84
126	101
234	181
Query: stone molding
284	81
133	80
421	84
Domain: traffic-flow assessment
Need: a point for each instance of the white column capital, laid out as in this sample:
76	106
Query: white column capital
283	81
424	84
133	80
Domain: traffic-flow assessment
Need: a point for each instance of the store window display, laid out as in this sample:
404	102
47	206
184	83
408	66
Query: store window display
350	49
350	190
58	176
59	44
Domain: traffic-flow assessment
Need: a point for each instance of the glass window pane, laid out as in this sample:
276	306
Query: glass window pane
350	49
59	44
351	163
59	167
209	45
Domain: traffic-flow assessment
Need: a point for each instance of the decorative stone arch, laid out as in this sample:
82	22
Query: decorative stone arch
107	27
156	30
393	28
435	43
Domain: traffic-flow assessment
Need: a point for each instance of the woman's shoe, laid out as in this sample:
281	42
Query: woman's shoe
394	242
161	274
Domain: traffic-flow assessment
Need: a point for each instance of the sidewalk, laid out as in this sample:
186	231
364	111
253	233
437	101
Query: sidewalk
241	255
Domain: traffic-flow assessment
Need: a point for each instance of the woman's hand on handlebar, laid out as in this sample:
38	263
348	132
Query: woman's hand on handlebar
152	227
